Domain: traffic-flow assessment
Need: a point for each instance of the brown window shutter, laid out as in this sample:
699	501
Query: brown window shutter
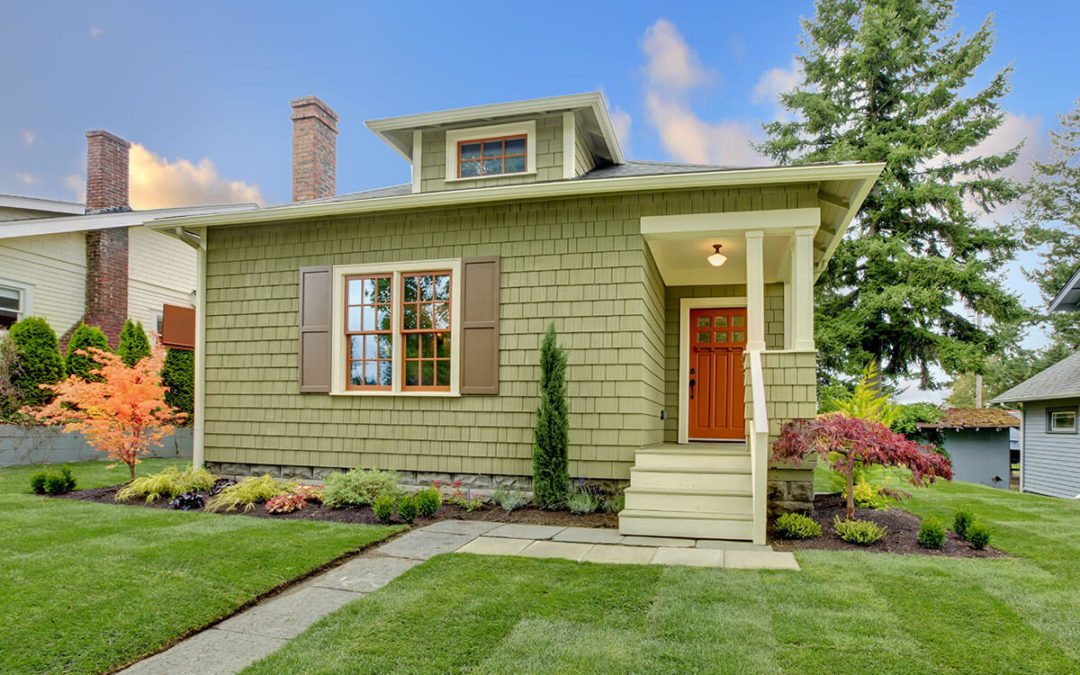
178	327
316	314
480	325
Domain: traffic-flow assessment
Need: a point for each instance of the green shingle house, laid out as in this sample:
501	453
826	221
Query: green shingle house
399	328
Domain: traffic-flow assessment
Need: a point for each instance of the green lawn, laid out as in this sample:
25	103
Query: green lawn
848	612
89	587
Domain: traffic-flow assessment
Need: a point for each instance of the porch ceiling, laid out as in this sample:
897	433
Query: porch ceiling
682	259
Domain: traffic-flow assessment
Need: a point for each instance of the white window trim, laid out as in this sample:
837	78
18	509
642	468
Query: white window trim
1050	410
338	380
455	136
26	298
685	305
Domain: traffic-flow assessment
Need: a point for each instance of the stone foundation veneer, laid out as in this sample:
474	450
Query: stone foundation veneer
790	490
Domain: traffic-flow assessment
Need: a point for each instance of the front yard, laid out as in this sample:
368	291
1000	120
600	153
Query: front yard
845	612
89	587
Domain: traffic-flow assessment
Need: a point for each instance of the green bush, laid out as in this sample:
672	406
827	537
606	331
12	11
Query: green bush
868	496
428	501
359	487
383	508
134	345
962	521
167	484
52	481
978	534
178	374
861	532
249	492
796	526
407	509
931	532
582	502
39	360
614	503
509	499
551	437
83	338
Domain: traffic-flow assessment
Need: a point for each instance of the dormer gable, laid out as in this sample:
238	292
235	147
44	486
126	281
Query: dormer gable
538	140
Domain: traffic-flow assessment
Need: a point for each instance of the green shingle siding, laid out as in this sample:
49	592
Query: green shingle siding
581	263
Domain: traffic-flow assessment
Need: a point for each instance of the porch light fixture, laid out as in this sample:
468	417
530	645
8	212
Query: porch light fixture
717	258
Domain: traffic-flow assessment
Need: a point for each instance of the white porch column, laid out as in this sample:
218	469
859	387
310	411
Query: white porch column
198	435
755	291
802	292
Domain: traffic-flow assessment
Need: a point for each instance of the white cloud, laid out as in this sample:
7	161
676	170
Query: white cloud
776	81
96	32
28	137
26	178
673	71
158	183
621	120
76	184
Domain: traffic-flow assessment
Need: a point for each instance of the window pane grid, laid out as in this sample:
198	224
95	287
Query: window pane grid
425	327
491	156
10	306
369	331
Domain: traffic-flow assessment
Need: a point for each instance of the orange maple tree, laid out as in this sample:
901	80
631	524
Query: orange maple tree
123	413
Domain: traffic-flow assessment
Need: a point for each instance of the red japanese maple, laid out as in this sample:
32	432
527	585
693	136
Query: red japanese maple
123	414
847	442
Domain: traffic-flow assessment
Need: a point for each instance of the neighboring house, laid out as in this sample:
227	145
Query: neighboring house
68	263
978	443
399	328
1049	438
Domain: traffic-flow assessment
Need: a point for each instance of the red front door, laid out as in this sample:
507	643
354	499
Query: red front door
717	341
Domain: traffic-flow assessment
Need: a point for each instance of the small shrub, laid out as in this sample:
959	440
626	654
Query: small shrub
407	509
868	496
38	360
359	487
797	526
167	484
614	503
931	532
52	481
962	521
383	508
188	501
310	493
285	503
509	499
428	501
80	364
581	502
249	492
978	534
134	345
861	532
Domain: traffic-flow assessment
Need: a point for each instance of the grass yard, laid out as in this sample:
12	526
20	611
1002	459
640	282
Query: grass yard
845	612
88	587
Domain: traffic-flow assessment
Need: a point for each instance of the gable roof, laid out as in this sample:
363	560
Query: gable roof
103	221
1068	298
974	418
1061	380
41	205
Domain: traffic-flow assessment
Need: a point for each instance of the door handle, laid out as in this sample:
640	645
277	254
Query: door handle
692	383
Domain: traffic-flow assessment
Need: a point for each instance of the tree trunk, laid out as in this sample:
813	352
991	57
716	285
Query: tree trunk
131	467
850	478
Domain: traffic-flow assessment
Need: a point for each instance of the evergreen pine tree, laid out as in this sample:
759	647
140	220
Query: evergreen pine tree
39	360
84	337
178	374
134	345
889	81
551	463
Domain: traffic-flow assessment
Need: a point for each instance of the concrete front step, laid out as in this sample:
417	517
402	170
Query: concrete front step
689	501
682	479
695	525
720	459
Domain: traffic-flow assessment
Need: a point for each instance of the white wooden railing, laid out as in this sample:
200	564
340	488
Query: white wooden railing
759	446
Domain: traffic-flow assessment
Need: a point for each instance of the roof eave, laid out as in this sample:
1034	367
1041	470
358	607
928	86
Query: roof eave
1006	398
1072	285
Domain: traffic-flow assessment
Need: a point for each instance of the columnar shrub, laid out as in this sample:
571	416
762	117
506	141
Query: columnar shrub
39	360
78	361
178	374
134	345
931	532
551	438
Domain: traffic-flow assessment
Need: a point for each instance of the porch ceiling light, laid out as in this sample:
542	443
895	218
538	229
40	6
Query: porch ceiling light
717	258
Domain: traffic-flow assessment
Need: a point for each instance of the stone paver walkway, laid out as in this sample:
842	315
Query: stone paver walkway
259	631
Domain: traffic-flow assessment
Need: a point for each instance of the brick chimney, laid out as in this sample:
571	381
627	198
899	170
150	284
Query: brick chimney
314	158
106	249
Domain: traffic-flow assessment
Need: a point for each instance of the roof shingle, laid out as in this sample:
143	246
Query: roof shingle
1061	380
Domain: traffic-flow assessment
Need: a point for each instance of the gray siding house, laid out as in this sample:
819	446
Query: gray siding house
977	440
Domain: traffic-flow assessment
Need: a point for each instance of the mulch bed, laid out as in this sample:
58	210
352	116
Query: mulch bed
902	536
364	516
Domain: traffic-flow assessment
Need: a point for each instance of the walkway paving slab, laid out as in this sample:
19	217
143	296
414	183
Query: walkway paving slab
669	542
495	546
693	557
422	545
288	615
469	527
761	560
556	549
589	535
620	555
731	545
520	531
211	652
365	574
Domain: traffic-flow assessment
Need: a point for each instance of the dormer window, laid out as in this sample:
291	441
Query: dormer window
492	156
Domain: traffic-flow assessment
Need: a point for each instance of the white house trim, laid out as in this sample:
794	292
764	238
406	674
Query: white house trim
774	221
455	136
755	291
685	305
569	145
26	297
417	159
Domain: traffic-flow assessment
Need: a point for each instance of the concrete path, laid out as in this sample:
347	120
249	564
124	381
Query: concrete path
259	631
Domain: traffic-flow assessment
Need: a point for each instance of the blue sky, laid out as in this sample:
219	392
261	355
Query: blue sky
204	87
